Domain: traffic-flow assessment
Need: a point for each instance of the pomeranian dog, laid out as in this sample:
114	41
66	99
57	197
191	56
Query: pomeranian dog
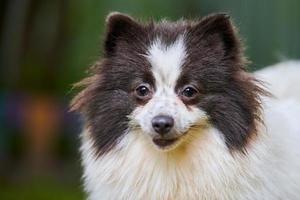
170	113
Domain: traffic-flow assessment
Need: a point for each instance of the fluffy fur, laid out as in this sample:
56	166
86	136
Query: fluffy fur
233	141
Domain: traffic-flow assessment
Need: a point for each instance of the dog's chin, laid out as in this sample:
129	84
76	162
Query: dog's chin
167	144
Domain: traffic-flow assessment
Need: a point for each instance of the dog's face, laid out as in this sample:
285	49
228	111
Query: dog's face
168	81
168	107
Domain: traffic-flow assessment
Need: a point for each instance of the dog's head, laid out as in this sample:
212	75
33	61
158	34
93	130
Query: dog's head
169	80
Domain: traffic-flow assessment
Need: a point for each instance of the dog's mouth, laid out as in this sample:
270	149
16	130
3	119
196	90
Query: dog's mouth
164	143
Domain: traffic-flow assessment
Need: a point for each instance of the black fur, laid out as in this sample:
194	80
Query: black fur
230	96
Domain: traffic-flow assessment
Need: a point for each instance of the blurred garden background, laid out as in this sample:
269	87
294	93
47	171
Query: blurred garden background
47	45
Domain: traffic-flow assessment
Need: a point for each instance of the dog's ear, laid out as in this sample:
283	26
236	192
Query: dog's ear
219	35
120	27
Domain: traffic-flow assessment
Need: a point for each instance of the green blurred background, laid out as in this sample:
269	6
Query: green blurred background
46	45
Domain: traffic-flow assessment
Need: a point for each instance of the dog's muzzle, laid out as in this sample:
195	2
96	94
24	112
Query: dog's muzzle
163	125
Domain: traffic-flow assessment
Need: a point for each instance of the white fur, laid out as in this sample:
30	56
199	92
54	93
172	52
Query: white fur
166	62
202	167
283	79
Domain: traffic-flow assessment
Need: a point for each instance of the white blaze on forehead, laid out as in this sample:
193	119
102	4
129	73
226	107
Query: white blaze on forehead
166	61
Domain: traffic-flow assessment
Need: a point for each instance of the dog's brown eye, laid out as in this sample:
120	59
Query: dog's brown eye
143	91
189	92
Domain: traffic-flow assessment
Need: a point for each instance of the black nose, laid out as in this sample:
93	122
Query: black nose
162	124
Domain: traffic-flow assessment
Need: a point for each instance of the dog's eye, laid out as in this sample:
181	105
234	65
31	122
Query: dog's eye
189	92
142	91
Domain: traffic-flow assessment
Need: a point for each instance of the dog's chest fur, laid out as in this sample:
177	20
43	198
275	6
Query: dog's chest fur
203	170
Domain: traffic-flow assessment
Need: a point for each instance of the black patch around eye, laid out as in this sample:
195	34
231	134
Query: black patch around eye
143	91
230	98
189	92
108	99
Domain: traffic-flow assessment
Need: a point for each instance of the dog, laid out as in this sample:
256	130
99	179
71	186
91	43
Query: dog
170	113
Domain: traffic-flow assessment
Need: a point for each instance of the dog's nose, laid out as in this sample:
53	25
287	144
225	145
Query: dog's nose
162	124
